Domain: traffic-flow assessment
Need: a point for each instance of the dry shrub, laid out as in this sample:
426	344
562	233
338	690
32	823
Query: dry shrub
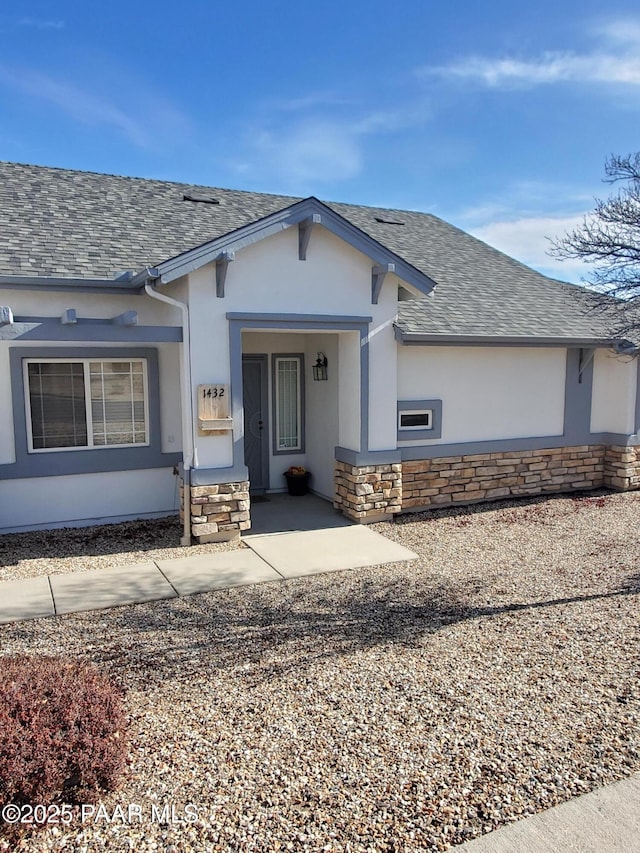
61	731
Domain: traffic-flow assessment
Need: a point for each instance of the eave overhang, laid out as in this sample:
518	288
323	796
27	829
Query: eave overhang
78	285
425	339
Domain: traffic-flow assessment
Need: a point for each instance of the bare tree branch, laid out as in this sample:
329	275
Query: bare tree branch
609	238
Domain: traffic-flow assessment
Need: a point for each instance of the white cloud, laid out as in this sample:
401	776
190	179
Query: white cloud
300	142
620	31
300	147
76	103
137	120
528	240
310	152
619	66
304	103
524	199
549	68
40	24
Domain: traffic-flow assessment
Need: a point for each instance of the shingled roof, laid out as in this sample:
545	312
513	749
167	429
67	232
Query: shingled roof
63	223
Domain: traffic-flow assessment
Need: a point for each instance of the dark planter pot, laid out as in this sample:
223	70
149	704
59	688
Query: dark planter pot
297	484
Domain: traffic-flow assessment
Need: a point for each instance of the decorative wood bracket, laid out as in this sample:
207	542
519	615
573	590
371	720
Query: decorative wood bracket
6	315
129	318
222	264
378	275
304	234
69	317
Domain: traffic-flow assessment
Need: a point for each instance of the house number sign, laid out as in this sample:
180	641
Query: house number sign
213	392
213	407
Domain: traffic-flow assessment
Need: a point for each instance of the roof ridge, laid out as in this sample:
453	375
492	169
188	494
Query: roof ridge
165	182
146	180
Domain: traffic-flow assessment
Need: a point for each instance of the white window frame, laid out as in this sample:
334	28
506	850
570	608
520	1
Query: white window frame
428	425
86	362
276	391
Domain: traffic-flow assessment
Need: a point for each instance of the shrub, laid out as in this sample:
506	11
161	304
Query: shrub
61	731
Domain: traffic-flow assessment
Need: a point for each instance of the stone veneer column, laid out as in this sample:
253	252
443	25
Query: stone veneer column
368	493
218	513
622	467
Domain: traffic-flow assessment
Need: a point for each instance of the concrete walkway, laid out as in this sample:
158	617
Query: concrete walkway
604	821
271	557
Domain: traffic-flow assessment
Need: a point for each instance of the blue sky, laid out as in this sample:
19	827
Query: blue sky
496	116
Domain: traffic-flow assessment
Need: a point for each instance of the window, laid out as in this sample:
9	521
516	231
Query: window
287	374
86	403
419	420
415	420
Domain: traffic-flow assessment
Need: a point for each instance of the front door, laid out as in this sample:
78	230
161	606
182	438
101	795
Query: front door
256	439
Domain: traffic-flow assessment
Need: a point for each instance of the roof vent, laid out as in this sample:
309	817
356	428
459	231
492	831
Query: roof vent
202	199
387	221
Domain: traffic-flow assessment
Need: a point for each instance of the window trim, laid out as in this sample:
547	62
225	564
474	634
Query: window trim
275	358
406	434
135	457
86	362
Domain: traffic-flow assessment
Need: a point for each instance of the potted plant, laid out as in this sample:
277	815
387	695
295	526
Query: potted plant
297	478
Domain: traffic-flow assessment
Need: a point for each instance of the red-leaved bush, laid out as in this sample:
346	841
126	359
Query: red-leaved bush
61	731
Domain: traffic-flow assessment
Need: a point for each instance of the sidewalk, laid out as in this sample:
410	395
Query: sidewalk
272	557
604	821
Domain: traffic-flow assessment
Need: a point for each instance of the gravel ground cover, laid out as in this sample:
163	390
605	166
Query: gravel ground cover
105	546
407	707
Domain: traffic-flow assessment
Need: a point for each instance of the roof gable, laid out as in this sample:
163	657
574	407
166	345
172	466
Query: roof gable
306	214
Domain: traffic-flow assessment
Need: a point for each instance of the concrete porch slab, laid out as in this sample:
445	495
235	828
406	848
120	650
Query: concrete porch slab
25	599
202	573
280	513
314	551
102	588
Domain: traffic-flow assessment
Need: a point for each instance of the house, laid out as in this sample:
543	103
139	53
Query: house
163	343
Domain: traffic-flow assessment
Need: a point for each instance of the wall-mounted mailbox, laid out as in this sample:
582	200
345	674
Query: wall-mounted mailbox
213	408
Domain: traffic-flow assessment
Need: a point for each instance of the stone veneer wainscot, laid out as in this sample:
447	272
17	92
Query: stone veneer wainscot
370	493
487	476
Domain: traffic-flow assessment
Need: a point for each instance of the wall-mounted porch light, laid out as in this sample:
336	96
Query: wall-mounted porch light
320	368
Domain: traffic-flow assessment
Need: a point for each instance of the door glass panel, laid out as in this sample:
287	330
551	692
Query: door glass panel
288	403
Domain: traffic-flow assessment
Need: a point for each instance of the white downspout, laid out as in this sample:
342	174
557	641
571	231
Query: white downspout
187	410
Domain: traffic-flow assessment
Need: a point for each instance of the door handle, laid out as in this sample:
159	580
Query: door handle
260	424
